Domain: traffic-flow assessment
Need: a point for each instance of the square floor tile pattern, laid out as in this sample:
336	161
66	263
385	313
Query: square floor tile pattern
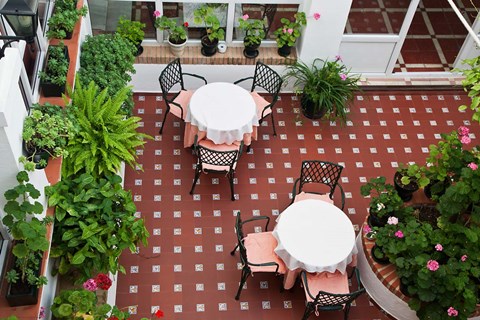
187	269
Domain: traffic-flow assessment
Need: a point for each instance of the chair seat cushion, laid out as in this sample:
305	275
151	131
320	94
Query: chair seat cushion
182	99
209	144
261	103
260	248
326	281
305	195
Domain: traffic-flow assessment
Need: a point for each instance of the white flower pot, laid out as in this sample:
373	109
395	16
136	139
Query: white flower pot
177	49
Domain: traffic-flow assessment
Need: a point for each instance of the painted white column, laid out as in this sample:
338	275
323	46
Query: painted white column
321	38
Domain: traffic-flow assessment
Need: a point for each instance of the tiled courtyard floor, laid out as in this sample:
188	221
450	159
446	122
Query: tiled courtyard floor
187	270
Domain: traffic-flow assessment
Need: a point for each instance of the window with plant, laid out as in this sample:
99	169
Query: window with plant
177	34
205	15
254	30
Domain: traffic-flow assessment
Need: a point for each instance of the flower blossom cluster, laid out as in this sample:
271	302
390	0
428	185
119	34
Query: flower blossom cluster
452	312
392	221
438	247
433	265
101	281
463	132
399	234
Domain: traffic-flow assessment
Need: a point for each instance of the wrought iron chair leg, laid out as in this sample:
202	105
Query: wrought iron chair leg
273	124
346	311
163	122
234	249
197	174
248	148
308	311
245	275
231	186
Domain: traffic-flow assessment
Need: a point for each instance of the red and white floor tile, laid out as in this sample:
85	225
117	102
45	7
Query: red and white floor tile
187	270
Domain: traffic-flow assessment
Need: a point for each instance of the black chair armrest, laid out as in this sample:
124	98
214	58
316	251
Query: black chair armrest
195	75
241	80
305	283
342	195
257	219
176	104
294	190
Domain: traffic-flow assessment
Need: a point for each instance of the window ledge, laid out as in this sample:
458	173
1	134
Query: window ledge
233	56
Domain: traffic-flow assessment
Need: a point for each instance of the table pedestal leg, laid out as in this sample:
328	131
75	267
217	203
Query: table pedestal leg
289	278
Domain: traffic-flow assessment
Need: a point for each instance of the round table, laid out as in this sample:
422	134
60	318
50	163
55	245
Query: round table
315	236
225	111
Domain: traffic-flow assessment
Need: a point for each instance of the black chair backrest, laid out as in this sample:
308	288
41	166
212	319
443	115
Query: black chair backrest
217	158
170	76
326	299
323	172
240	237
268	79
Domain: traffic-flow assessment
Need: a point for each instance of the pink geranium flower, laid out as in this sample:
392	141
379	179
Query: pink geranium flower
338	58
452	312
392	220
465	139
156	13
367	229
463	131
399	234
90	285
464	258
432	265
290	30
473	166
284	30
438	247
316	16
245	17
343	76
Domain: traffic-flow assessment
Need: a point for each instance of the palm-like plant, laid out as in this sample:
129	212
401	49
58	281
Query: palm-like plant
104	137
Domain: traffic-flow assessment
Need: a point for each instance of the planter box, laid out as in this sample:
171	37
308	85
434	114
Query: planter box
50	89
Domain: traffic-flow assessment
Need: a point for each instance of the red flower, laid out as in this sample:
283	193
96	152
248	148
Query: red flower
159	313
112	318
185	24
103	281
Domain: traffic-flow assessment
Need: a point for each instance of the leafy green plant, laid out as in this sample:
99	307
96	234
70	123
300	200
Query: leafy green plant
471	84
384	200
94	222
64	18
205	15
48	129
288	33
413	173
325	85
82	304
57	65
254	30
28	231
112	68
103	138
176	34
131	30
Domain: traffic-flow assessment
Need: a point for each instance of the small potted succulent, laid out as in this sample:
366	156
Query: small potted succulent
53	79
177	35
254	34
205	15
133	32
45	133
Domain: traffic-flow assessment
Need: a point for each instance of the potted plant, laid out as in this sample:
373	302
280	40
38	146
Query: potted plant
384	201
408	179
288	33
30	242
177	35
133	32
254	34
326	88
53	79
63	20
205	15
45	133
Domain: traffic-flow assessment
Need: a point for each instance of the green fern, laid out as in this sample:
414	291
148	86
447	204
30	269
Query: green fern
105	137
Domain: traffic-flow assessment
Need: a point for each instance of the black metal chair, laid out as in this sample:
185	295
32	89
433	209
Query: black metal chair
256	251
321	300
176	103
318	180
268	79
216	158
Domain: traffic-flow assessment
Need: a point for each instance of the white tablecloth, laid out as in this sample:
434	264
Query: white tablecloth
315	236
226	112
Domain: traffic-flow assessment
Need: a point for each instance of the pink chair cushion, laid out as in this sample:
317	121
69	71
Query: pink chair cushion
182	99
218	147
326	281
305	195
260	249
261	103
